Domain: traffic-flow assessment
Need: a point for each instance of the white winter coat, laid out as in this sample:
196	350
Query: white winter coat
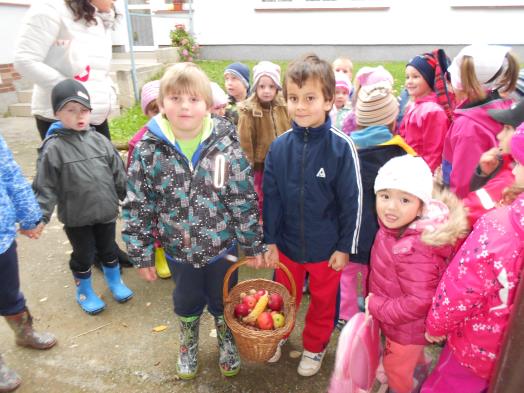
52	46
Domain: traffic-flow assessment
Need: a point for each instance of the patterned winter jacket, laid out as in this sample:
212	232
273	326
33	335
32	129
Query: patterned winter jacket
17	201
199	208
406	268
475	297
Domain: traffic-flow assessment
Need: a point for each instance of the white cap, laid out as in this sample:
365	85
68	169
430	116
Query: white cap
406	173
219	96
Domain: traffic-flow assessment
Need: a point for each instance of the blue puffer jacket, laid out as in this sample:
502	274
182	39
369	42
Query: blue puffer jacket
17	201
312	193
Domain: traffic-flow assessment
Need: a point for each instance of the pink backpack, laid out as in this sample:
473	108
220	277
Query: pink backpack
358	354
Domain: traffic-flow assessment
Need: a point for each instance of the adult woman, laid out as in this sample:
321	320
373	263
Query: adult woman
62	39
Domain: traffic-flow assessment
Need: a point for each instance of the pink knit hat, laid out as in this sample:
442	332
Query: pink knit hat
342	81
149	93
517	144
267	68
368	76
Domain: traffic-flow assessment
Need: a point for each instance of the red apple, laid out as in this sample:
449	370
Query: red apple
275	302
265	321
241	310
260	293
249	300
278	319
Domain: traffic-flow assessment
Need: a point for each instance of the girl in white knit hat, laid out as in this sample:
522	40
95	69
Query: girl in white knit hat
262	117
418	231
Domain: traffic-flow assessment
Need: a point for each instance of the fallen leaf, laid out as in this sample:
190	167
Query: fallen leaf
124	324
294	354
148	304
73	346
159	328
43	299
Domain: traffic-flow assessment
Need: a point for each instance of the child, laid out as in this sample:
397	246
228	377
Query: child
366	76
262	117
416	237
427	118
342	106
343	65
150	108
478	74
475	297
220	100
313	202
376	107
79	170
494	171
190	182
236	77
18	204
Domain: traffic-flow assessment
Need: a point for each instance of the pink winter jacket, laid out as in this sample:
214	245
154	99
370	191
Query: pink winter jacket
472	133
424	127
475	296
406	269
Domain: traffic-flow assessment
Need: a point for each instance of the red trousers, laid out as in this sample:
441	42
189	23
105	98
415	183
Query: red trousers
323	288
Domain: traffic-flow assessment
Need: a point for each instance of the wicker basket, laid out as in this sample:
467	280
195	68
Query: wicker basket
254	344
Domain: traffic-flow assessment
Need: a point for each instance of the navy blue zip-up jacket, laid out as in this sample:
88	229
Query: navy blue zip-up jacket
312	193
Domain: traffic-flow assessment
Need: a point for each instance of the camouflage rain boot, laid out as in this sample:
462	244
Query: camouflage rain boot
229	359
187	363
22	325
9	380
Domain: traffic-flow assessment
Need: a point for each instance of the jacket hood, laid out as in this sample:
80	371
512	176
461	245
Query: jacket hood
437	231
160	127
516	214
252	104
371	136
479	114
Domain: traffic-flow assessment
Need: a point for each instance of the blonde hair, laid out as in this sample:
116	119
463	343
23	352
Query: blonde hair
186	78
511	193
507	78
346	60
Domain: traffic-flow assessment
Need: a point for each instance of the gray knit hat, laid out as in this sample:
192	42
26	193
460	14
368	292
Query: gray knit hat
376	105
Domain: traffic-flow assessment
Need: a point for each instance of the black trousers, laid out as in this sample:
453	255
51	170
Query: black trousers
91	240
43	126
12	301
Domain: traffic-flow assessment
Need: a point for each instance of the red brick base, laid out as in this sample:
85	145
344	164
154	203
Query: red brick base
8	76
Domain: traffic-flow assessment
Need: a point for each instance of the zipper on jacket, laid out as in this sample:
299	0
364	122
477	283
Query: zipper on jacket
302	223
272	112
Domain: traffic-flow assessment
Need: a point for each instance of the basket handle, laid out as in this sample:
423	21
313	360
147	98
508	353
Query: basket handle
236	265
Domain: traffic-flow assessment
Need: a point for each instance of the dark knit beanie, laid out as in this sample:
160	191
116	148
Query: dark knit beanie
425	64
241	71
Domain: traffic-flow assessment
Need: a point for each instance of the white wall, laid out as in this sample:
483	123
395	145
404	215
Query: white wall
406	21
10	20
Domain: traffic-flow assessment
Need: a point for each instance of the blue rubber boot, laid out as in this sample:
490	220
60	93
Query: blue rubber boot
85	296
121	293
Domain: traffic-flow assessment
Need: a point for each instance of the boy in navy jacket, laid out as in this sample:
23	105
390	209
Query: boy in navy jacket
313	204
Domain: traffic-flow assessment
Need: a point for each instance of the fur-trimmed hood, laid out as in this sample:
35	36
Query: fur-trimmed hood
252	104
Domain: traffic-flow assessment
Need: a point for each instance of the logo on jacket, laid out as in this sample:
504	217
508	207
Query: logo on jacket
321	173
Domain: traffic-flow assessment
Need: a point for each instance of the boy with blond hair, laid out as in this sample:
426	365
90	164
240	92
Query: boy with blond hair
190	183
313	202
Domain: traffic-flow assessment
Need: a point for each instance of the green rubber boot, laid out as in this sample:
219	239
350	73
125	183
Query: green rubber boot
229	359
187	362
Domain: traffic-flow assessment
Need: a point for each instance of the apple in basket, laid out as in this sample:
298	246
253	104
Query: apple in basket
260	293
278	319
250	301
241	310
265	321
275	302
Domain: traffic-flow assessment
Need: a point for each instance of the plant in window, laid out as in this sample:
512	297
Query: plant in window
185	42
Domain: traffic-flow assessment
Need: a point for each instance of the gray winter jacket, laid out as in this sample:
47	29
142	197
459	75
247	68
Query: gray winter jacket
82	173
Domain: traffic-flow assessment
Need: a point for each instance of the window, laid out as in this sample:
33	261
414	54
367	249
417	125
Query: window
321	4
486	3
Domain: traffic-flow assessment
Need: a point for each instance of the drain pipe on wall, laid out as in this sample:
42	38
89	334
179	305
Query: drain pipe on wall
131	52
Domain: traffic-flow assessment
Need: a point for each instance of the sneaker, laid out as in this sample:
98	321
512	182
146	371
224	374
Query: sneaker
278	352
341	323
310	363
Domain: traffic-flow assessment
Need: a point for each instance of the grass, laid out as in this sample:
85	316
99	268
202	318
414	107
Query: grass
132	119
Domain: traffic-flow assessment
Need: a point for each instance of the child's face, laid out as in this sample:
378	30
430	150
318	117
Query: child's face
343	66
266	89
416	85
185	113
234	87
397	209
152	109
504	137
74	116
341	97
307	105
219	110
518	171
